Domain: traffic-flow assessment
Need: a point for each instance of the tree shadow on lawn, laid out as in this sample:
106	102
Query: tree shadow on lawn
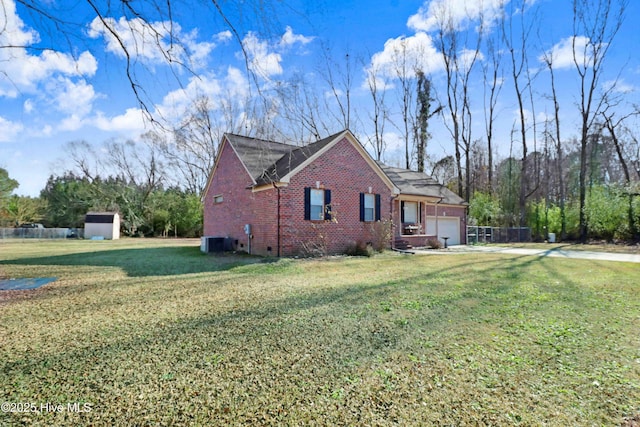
231	333
143	262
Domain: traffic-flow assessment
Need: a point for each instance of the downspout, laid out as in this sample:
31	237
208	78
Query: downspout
437	203
278	220
393	235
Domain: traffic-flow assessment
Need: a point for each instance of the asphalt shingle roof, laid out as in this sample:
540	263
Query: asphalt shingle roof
420	184
269	162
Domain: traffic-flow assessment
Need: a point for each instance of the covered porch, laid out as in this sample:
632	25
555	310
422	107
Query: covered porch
413	223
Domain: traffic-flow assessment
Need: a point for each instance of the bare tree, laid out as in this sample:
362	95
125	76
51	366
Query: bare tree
612	125
404	67
595	25
459	62
339	76
493	79
444	171
379	115
139	164
83	159
547	58
190	150
518	45
301	111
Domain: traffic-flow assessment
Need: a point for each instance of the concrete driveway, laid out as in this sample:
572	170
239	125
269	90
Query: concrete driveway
554	253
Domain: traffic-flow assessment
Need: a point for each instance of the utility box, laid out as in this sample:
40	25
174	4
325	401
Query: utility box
209	244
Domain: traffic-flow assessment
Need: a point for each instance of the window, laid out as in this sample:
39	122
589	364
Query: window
317	204
369	207
217	199
410	212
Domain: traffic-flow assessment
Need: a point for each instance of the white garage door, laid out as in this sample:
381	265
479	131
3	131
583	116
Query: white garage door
447	227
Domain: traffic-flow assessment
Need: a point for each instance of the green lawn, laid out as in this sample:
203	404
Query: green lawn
151	332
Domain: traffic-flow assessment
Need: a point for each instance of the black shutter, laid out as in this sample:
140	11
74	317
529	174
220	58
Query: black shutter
307	203
378	216
401	211
327	205
361	206
419	212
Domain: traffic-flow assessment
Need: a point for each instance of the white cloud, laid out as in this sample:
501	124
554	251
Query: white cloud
223	36
9	130
23	72
71	123
562	53
619	86
27	107
131	121
404	55
289	38
176	102
236	84
155	43
73	97
456	14
264	58
14	32
262	61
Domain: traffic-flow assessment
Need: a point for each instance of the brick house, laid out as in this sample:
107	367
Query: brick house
277	199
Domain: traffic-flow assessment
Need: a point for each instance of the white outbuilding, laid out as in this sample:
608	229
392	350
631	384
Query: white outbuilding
102	225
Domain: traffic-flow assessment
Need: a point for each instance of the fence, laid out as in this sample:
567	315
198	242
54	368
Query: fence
477	234
41	233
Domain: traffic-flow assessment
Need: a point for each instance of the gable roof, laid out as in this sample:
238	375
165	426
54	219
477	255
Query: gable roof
271	162
292	160
257	155
420	184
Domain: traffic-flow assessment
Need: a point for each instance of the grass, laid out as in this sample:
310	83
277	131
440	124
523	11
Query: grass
151	332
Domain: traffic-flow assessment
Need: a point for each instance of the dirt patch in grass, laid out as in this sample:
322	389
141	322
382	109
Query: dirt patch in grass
632	422
7	296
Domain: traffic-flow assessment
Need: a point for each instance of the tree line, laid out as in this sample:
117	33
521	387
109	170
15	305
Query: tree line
578	184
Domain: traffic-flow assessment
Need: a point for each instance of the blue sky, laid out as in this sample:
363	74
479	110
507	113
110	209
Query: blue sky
79	92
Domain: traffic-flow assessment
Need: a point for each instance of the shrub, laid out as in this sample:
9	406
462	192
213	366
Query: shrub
433	243
360	248
606	212
484	209
382	232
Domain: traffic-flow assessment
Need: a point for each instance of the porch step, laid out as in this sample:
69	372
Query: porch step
402	244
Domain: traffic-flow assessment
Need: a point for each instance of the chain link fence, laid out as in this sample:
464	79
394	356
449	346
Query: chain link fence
478	234
41	233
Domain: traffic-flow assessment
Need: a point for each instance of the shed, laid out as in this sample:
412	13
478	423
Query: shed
104	225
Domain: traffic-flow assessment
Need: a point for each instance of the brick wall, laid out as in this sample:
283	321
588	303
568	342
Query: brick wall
341	169
344	171
240	206
452	211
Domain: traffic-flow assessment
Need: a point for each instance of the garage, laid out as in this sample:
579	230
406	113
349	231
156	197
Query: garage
447	227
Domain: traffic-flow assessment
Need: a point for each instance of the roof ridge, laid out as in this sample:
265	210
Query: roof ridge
260	139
